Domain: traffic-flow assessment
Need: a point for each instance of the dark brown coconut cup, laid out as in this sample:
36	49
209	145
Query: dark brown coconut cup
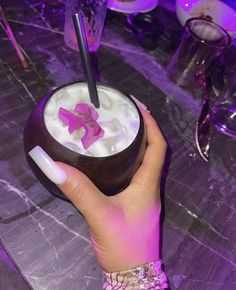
111	174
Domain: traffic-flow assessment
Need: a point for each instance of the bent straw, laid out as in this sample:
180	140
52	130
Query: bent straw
86	61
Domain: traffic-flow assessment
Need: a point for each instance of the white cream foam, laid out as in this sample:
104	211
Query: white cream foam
207	31
118	117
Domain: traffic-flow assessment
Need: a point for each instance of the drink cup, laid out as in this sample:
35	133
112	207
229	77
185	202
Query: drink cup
93	13
202	42
223	112
112	159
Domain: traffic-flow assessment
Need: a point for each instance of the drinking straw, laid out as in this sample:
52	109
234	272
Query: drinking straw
12	39
86	61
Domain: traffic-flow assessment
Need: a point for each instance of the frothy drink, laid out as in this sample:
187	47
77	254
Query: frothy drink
117	116
208	31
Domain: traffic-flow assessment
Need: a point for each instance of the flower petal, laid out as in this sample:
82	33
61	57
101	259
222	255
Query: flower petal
86	109
92	134
86	118
74	122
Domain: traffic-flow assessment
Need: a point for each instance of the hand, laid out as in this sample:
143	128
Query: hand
124	228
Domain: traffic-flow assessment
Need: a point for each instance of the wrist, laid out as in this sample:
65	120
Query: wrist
122	261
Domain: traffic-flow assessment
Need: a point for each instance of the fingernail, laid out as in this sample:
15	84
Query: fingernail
47	165
140	104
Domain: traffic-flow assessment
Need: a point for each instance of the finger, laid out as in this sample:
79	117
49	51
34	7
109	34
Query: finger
76	186
81	191
154	156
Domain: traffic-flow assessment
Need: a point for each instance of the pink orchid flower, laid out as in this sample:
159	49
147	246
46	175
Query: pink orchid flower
85	116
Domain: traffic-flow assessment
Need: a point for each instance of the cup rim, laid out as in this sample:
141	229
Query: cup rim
211	44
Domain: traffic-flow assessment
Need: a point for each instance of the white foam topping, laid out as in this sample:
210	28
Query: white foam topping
207	31
118	117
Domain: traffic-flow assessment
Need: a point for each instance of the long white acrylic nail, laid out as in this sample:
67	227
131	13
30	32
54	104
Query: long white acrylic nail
48	166
140	104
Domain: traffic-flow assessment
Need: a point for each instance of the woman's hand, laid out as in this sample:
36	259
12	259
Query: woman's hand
124	228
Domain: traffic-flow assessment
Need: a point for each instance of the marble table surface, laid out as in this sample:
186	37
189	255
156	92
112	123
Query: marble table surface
46	237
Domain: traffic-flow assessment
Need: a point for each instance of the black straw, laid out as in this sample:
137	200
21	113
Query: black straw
86	61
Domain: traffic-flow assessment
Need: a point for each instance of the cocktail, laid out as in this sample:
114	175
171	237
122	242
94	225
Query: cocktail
202	43
93	13
107	144
91	126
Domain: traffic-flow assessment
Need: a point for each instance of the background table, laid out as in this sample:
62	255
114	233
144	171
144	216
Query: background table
46	237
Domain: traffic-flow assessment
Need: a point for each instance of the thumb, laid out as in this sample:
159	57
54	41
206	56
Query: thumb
76	186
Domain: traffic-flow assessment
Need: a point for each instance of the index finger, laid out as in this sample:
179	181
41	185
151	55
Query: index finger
154	156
